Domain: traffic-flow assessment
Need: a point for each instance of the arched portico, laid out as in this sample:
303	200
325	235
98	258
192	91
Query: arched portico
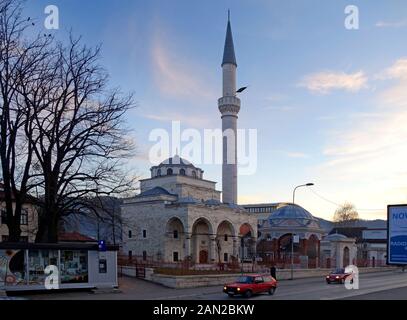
202	241
226	242
175	244
247	242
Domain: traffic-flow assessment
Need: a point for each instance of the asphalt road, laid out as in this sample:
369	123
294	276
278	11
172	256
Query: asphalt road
379	285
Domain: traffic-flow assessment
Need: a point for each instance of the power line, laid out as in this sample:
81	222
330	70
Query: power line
339	205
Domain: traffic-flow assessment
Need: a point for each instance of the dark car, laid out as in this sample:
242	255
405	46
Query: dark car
248	285
338	276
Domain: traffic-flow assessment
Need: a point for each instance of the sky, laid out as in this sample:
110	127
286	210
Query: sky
329	104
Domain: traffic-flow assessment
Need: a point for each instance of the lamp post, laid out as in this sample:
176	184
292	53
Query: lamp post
302	185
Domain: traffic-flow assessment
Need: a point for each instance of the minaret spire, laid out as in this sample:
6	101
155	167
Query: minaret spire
229	50
229	107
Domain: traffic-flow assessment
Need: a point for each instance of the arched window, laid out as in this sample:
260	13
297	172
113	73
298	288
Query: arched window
226	237
159	173
194	174
175	234
182	172
169	172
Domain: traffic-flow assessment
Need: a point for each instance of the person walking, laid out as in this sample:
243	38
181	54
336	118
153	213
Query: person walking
273	271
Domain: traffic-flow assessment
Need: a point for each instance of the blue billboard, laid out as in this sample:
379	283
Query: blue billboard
397	234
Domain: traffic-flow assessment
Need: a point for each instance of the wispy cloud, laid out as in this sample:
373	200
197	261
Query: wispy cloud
327	81
176	75
297	155
184	119
392	24
280	108
371	152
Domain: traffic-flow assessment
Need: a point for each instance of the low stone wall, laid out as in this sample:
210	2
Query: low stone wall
195	281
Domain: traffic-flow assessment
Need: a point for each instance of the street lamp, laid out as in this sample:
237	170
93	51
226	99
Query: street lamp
302	185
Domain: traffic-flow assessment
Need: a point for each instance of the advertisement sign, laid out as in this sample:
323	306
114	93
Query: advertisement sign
397	234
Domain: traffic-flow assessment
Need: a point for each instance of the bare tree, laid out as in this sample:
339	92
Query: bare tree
346	214
79	138
61	128
19	61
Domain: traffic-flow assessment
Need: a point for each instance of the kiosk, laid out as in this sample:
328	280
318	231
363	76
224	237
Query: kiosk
23	266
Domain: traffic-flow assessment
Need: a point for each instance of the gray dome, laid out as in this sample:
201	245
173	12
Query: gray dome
291	211
336	237
176	160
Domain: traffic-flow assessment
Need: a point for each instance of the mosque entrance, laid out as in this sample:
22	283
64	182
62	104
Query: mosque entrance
203	256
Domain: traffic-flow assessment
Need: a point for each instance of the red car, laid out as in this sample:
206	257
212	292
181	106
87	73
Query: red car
338	276
251	284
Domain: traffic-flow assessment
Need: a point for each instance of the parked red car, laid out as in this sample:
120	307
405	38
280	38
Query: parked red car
248	285
338	276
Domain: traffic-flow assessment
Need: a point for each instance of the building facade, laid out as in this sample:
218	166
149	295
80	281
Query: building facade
288	231
28	220
178	216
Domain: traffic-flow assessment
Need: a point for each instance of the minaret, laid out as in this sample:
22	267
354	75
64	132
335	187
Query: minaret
229	106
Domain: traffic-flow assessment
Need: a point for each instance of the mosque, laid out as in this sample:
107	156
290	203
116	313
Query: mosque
180	216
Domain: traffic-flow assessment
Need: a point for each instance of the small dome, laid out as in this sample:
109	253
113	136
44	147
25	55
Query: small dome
336	237
176	166
291	211
176	160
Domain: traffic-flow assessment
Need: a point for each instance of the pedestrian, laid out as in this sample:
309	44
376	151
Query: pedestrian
273	271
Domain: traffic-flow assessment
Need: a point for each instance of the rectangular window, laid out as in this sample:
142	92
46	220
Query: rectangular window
74	266
225	257
144	234
175	256
38	260
144	255
3	216
130	254
175	234
130	234
24	217
226	237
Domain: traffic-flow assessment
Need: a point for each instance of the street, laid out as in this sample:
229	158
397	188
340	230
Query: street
379	285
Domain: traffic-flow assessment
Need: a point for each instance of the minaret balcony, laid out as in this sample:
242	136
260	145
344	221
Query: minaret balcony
229	105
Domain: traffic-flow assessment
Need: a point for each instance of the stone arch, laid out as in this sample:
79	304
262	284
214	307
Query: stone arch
226	242
247	242
170	172
285	246
175	240
202	240
182	172
312	247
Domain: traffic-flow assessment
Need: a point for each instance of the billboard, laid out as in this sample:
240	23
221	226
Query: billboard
397	234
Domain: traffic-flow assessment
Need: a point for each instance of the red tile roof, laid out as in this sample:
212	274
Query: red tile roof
74	237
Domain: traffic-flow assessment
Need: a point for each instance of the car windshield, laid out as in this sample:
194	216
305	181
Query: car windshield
339	271
245	280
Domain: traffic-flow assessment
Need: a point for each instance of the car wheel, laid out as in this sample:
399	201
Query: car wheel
248	294
272	290
328	282
231	295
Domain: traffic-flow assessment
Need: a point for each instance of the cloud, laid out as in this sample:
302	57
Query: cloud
280	108
396	95
175	75
327	81
391	24
297	155
194	121
365	162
